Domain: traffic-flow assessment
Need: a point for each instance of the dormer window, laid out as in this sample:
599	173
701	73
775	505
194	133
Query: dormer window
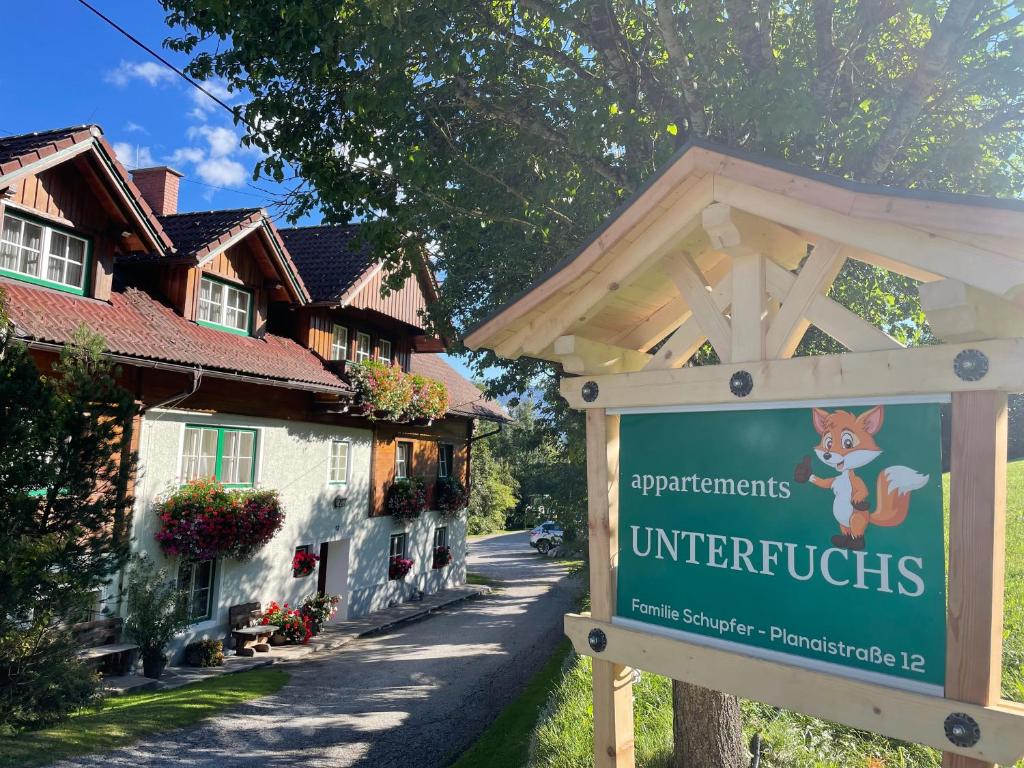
339	343
224	306
41	254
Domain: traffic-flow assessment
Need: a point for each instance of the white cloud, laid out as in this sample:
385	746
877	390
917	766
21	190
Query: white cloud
184	155
131	127
222	172
203	103
150	71
223	141
133	155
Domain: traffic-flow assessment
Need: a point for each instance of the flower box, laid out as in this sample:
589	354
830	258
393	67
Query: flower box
399	567
450	496
304	563
442	557
406	498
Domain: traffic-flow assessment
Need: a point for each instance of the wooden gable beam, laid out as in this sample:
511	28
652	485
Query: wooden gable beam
581	355
694	288
790	324
688	337
676	223
853	332
987	270
958	312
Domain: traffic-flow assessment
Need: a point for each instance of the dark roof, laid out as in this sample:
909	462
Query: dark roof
330	257
17	152
134	324
198	232
464	399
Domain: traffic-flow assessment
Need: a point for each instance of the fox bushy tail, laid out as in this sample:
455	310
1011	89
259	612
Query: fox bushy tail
893	493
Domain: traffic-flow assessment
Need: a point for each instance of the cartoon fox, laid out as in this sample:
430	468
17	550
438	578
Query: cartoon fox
848	443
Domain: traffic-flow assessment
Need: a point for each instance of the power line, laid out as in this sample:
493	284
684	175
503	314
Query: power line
160	58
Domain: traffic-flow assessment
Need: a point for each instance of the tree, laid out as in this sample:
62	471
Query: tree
503	132
64	469
492	490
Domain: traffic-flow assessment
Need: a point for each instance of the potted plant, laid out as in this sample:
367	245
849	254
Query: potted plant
450	496
205	653
293	626
319	609
442	557
399	567
157	611
385	391
304	563
407	498
203	521
429	399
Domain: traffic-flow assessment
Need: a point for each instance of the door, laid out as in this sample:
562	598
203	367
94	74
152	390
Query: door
333	576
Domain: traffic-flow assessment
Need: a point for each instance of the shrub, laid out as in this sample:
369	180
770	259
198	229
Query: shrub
429	398
384	390
399	567
442	557
205	653
157	611
450	496
292	625
304	563
202	521
320	609
407	498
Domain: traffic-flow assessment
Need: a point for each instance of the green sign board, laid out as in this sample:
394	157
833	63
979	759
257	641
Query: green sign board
810	535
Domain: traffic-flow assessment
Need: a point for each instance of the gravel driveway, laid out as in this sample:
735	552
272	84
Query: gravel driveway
416	697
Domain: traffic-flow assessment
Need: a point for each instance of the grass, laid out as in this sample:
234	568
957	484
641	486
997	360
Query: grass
563	737
506	743
484	581
121	720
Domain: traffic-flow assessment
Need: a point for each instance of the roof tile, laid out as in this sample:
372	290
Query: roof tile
464	399
330	257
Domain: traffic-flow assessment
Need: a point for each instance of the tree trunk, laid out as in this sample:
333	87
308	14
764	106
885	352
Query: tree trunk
706	728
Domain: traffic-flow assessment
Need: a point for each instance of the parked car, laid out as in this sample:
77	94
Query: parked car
545	536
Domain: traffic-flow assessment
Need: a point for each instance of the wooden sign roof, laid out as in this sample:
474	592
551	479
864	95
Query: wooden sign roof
709	250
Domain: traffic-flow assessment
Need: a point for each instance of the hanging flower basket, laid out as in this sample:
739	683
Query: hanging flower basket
406	499
450	496
442	557
304	563
202	521
399	567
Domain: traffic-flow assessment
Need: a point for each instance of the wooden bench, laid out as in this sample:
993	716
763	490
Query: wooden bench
101	645
250	638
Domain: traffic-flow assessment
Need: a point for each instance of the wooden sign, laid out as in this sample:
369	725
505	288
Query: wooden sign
806	534
722	505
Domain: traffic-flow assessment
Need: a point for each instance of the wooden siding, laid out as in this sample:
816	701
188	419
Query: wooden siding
424	456
317	330
404	304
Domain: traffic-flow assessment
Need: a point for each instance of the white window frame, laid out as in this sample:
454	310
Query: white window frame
190	588
362	354
332	479
444	468
43	255
443	530
380	351
403	460
222	307
339	342
402	537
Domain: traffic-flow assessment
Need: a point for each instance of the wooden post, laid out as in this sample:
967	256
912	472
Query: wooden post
977	527
613	683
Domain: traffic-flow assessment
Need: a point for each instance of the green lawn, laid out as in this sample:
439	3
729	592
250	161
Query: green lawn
506	743
121	720
563	737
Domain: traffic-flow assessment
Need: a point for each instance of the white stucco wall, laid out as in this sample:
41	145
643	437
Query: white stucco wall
293	459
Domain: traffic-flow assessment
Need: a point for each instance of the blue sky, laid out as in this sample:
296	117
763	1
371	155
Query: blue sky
64	66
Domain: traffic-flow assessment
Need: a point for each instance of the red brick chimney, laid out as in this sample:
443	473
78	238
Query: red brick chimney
159	188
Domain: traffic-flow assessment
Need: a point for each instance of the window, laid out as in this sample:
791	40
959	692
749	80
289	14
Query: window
398	545
403	459
196	580
363	347
441	537
42	254
224	306
339	343
445	454
226	454
385	350
339	462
